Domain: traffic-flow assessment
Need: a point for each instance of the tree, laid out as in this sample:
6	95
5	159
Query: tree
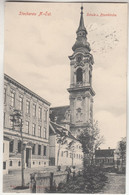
90	140
61	140
70	147
121	151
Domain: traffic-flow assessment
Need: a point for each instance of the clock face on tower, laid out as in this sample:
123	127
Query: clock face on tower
79	58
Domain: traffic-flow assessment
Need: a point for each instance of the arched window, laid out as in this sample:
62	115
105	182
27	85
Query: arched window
79	75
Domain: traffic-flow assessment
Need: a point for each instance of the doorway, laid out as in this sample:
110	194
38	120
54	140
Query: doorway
28	157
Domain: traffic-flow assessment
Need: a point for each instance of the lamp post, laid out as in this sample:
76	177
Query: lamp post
16	118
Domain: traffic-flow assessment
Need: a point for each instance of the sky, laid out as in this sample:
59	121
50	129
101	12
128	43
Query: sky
36	54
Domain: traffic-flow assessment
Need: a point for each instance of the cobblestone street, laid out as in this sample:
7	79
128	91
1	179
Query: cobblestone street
115	185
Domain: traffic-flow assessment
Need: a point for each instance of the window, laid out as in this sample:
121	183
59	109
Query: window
12	95
21	103
11	122
79	75
45	151
19	146
4	120
45	133
90	77
33	129
4	165
27	106
39	149
33	149
39	131
45	115
4	95
11	146
40	113
66	153
27	127
11	163
19	163
62	153
34	109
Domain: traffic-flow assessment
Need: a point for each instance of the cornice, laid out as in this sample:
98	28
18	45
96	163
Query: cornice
84	88
88	56
25	89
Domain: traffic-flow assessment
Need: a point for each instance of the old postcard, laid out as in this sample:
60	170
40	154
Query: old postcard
64	125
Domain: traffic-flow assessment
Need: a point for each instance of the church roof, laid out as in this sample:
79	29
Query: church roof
81	24
57	129
60	114
81	40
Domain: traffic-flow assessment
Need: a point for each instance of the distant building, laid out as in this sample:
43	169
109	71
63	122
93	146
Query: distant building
35	116
61	154
104	157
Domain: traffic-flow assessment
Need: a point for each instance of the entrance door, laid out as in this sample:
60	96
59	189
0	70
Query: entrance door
27	157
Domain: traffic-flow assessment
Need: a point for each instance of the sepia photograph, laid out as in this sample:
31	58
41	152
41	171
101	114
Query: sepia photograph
65	97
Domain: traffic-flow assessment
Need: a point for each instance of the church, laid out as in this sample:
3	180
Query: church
81	93
80	111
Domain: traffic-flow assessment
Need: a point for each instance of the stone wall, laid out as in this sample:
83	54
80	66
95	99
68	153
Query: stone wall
42	181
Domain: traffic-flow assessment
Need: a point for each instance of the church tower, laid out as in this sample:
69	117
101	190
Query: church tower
81	91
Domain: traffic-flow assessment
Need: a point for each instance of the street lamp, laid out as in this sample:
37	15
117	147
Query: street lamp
16	118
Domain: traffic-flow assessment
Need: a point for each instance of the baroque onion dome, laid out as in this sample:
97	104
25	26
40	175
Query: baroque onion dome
81	40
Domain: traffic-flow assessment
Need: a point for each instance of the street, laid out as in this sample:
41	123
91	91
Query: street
116	184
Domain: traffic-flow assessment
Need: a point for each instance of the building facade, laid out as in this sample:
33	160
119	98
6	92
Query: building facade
5	155
81	91
105	157
35	125
65	150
